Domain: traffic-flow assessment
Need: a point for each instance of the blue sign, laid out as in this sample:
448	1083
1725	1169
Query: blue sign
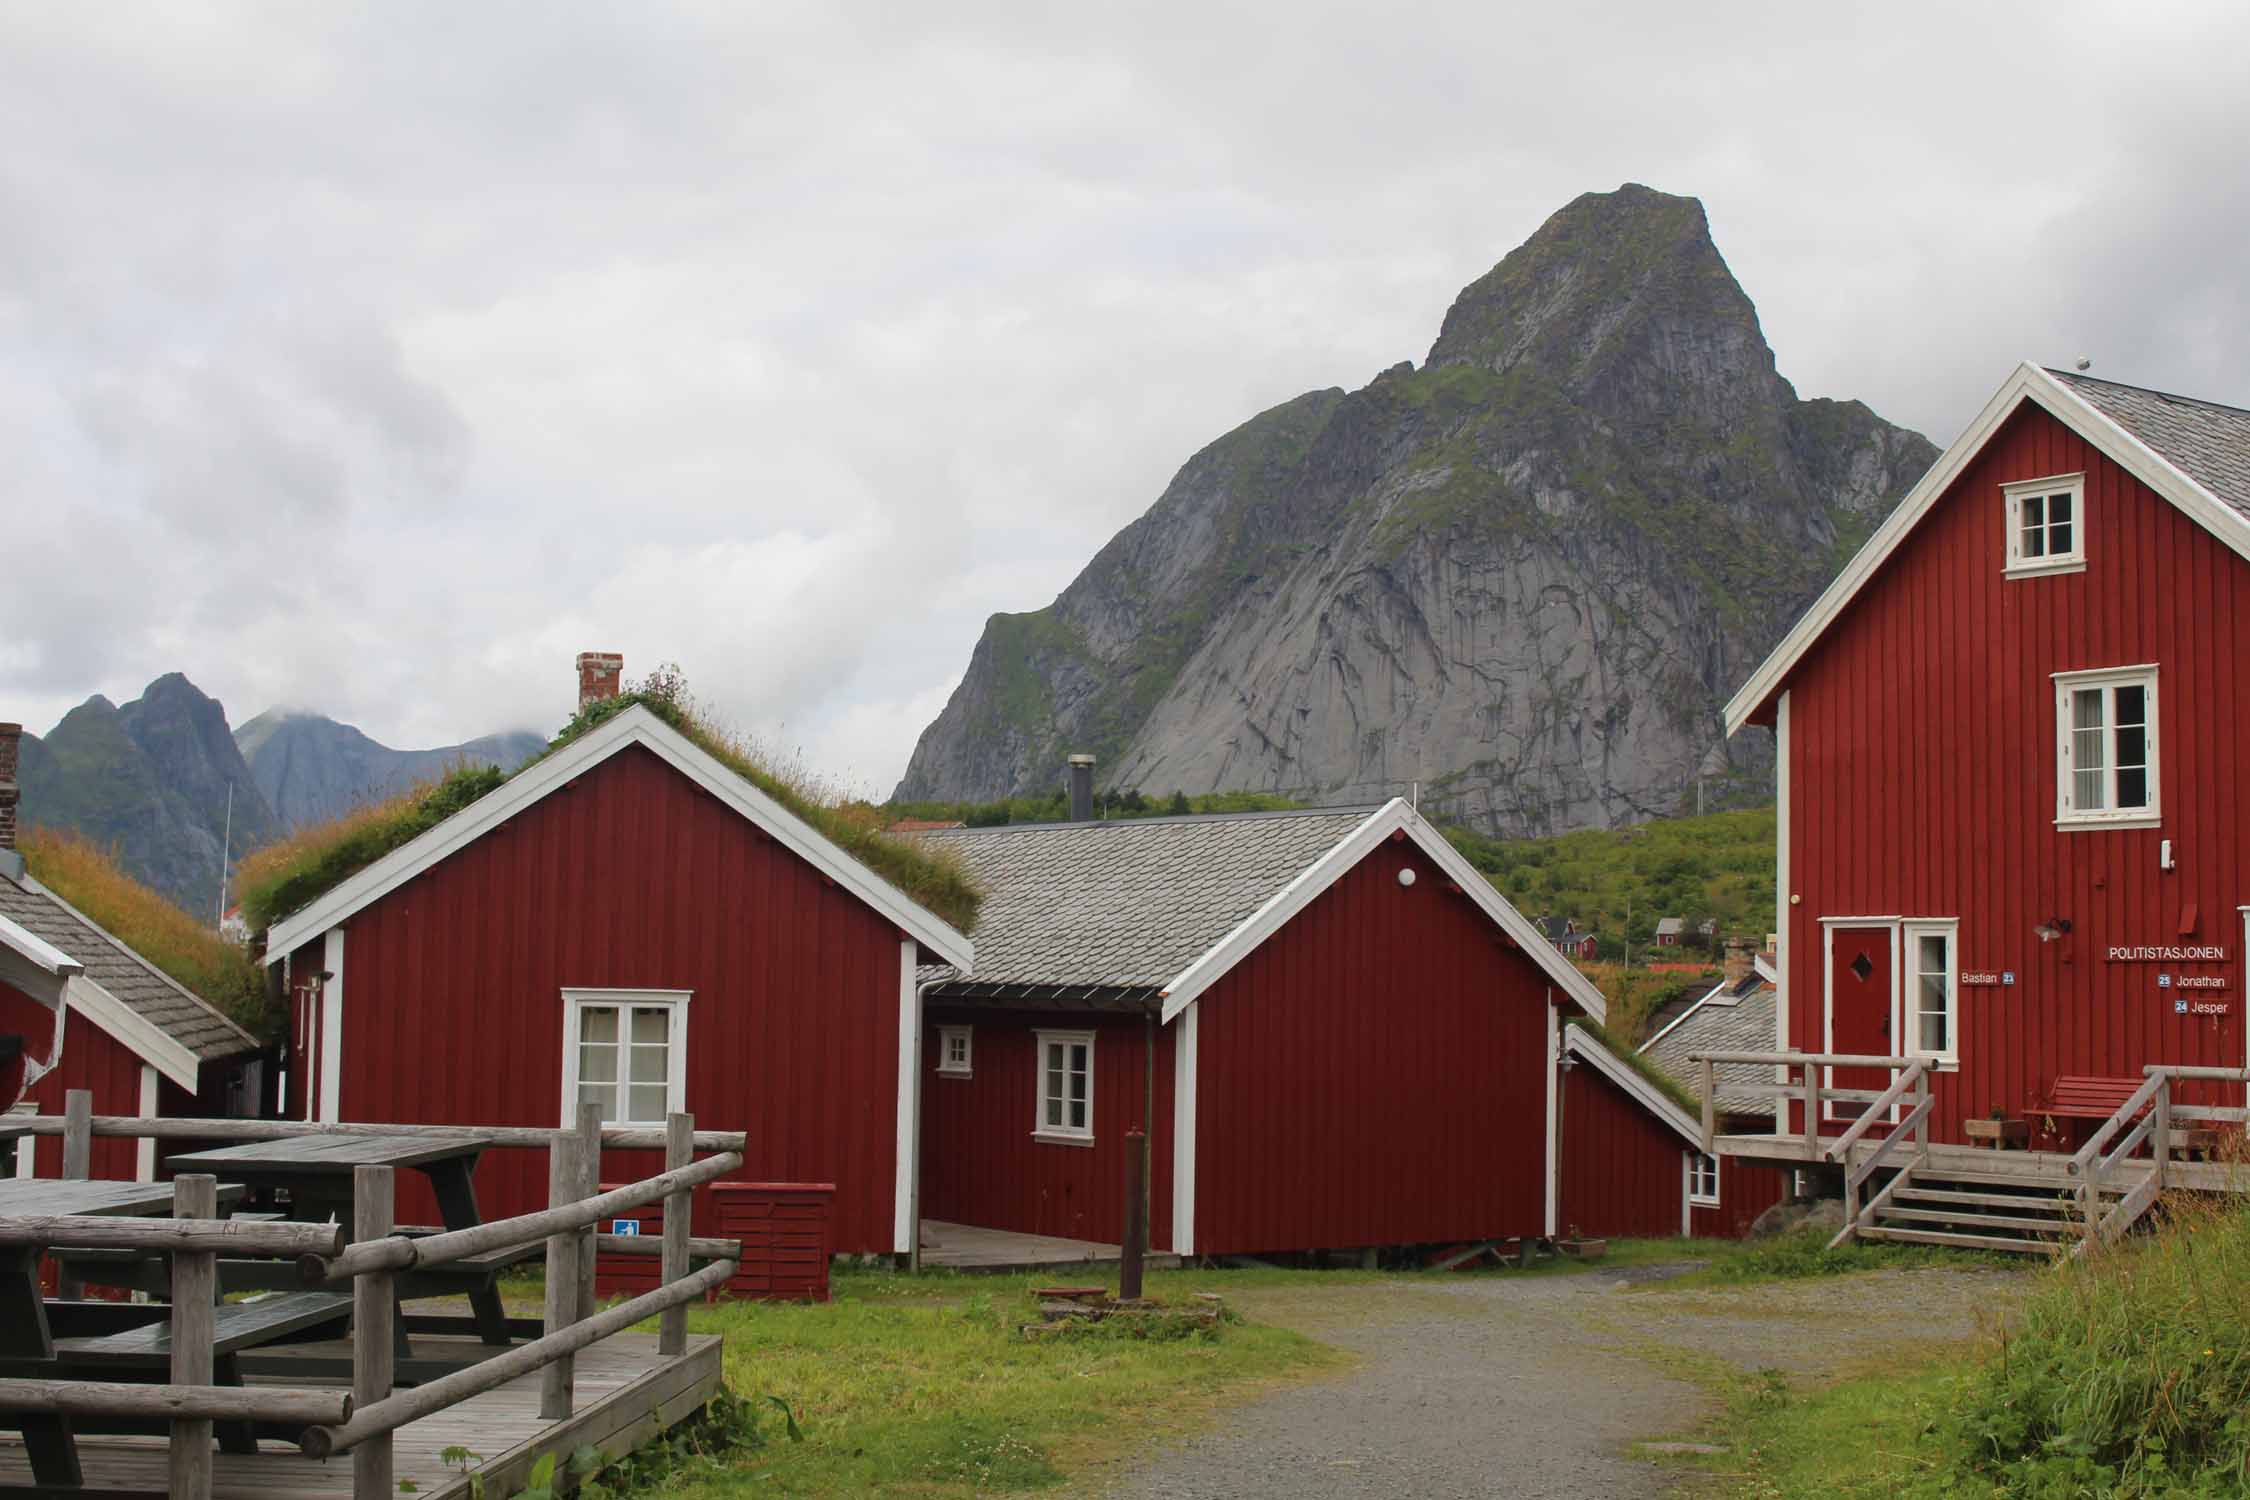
2179	1007
2007	976
625	1226
2163	981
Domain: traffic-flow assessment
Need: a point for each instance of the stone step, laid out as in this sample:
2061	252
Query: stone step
1962	1241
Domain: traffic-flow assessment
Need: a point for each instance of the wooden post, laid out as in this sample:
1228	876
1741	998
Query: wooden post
1710	1104
1922	1126
195	1288
1129	1254
1812	1111
556	1380
373	1349
589	1183
2160	1139
78	1135
679	1213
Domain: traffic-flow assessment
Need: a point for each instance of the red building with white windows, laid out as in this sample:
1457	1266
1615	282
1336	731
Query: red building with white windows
2012	782
630	922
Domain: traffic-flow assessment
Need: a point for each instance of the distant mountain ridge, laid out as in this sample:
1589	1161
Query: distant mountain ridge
152	780
311	768
1526	575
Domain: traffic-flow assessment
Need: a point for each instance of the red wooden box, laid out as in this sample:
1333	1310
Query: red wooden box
783	1227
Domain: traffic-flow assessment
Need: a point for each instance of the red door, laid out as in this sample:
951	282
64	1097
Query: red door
1859	1009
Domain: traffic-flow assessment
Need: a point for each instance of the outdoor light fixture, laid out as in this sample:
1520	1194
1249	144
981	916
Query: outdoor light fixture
2052	928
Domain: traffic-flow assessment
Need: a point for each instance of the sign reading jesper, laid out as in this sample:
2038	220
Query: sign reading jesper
2166	953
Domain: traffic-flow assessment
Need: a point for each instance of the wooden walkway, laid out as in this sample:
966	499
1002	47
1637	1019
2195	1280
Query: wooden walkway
2041	1167
968	1247
627	1393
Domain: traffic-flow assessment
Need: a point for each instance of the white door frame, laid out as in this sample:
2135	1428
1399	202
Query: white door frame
1828	925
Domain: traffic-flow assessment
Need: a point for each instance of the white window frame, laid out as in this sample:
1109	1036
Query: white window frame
1910	988
946	1037
576	1002
2108	679
1690	1162
2020	565
1064	1134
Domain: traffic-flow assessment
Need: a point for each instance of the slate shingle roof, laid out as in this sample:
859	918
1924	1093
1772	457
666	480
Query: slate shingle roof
1128	904
2207	442
123	973
1737	1020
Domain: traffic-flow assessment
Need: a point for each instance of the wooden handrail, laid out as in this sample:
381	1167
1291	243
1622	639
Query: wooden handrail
395	1411
1818	1059
1884	1102
170	1128
220	1236
2186	1074
400	1254
2139	1100
1866	1169
222	1403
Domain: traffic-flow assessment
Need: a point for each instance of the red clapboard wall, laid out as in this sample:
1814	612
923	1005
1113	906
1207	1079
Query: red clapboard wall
980	1164
92	1059
1373	1074
1624	1171
1922	771
630	877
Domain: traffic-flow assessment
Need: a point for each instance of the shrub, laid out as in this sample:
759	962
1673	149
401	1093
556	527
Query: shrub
2128	1374
194	956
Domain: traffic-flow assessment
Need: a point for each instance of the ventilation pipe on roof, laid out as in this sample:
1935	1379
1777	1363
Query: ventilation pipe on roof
1082	789
599	675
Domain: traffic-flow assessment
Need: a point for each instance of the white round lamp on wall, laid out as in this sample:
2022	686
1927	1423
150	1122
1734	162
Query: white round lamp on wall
1406	877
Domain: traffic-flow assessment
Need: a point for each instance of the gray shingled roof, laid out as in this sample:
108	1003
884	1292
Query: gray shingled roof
1737	1020
123	973
2207	442
1128	904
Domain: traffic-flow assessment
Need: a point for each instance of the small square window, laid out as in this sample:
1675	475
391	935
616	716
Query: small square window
2046	525
2105	748
1065	1105
955	1050
1703	1179
625	1051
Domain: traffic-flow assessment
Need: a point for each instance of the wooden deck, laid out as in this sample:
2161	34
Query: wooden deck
967	1247
2026	1166
627	1393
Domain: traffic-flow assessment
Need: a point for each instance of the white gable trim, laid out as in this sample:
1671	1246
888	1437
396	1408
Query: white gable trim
1669	1026
2028	383
1394	816
1576	1040
635	726
32	964
134	1032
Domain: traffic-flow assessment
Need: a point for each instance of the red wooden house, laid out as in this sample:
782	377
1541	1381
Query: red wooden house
2011	758
81	1010
1336	1032
630	922
1633	1161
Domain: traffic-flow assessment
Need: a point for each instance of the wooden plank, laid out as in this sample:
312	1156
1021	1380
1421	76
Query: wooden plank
1963	1241
373	1308
679	1210
529	1137
1894	1213
195	1293
555	1382
630	1416
78	1133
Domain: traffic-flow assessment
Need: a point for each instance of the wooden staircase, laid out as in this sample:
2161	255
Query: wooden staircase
2035	1210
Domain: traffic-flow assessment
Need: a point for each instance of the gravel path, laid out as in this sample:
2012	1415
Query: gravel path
1536	1386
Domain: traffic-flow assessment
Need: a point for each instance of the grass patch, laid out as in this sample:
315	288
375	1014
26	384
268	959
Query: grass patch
1664	1083
1802	1254
194	956
921	1385
288	875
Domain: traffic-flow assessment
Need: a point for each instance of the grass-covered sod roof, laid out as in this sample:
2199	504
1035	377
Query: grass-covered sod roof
288	875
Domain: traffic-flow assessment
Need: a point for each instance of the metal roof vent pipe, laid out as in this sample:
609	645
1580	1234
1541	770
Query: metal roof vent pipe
1082	789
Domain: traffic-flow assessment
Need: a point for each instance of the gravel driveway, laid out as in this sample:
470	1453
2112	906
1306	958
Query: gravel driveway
1536	1386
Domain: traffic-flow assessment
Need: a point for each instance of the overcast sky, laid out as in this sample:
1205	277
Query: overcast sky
378	359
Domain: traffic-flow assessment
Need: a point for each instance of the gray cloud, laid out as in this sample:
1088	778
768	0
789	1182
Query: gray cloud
378	360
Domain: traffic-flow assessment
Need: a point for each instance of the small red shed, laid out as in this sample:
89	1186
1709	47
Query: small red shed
1336	1032
626	921
2014	838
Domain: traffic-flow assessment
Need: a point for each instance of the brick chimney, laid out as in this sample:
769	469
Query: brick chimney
599	676
1739	962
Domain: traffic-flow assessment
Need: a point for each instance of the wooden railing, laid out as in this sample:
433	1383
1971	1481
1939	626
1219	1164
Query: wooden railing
2147	1117
1807	1088
363	1419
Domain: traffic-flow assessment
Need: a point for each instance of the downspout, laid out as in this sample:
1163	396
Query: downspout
1148	1115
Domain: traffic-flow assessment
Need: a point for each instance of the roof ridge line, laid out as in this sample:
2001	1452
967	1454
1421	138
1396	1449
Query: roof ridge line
2147	390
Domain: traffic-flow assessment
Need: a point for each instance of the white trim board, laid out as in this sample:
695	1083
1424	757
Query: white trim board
2028	383
331	1025
1554	1121
39	962
134	1032
1576	1040
1184	1080
1394	816
905	1164
635	726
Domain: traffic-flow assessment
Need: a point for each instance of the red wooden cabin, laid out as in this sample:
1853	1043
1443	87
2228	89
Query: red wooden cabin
2011	758
1337	1033
1633	1161
626	908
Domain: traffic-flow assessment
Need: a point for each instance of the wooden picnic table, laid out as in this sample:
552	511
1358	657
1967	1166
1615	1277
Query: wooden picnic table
25	1333
316	1170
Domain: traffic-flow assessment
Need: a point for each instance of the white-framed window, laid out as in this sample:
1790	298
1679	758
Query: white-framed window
625	1050
2046	525
1933	991
2106	748
1702	1179
1066	1086
955	1049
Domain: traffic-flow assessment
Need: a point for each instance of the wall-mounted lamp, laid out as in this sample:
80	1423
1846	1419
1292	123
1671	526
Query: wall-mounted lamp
2052	928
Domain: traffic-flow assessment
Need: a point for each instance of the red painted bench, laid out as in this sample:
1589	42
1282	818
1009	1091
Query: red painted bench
2088	1098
